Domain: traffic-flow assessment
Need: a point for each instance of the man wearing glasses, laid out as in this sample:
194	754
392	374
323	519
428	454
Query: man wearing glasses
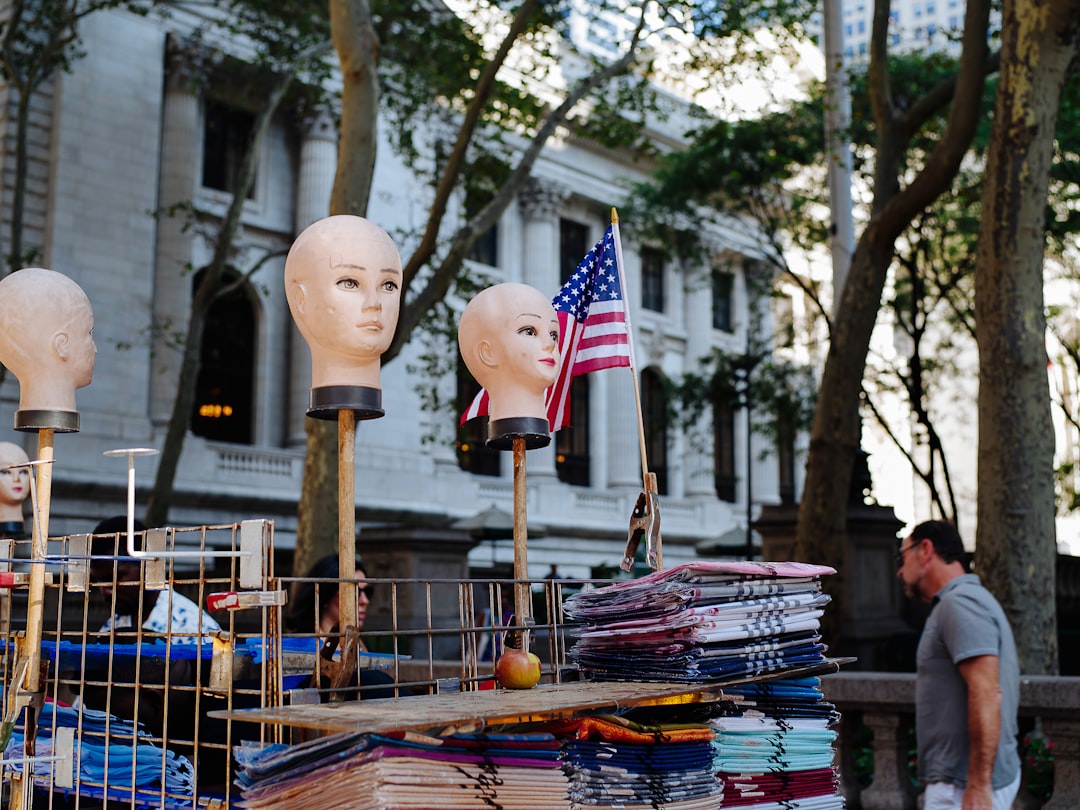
968	682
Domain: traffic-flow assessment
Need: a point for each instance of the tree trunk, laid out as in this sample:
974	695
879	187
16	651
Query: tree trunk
357	47
835	435
1016	548
317	513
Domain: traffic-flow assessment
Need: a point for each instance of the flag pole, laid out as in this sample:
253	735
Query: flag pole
633	360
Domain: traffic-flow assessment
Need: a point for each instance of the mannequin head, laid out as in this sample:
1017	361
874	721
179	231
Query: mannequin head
46	337
14	484
509	339
343	283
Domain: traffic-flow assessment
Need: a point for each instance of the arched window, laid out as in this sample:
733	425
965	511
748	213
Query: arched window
572	442
224	391
654	417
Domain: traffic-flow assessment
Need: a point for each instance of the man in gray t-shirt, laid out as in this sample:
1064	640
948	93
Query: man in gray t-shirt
968	682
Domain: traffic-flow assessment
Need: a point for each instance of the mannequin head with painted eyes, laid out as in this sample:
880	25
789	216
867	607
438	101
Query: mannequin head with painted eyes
509	340
14	482
343	284
46	338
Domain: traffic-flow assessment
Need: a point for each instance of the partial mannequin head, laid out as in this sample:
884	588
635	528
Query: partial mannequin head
14	483
343	283
46	337
509	340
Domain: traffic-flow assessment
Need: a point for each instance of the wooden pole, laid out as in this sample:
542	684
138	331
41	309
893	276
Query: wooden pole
35	606
347	516
522	595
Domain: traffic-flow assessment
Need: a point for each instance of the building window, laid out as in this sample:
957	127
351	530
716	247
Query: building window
654	418
724	450
652	279
224	395
485	249
485	177
723	284
473	454
785	456
573	245
572	442
226	136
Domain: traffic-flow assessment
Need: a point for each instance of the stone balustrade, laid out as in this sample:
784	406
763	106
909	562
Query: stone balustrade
885	703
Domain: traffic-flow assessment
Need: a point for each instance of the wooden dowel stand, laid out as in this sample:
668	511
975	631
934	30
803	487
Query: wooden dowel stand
29	694
522	592
346	516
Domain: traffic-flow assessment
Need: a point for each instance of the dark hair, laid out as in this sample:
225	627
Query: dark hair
117	524
945	538
323	577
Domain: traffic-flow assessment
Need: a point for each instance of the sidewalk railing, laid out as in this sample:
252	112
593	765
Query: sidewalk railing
884	703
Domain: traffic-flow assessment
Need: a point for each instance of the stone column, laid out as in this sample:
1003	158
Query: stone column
315	183
697	316
187	65
1064	733
540	202
891	788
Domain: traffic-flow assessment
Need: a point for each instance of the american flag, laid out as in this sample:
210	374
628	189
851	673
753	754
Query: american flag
593	329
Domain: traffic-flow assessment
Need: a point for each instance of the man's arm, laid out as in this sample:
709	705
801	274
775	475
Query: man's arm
984	727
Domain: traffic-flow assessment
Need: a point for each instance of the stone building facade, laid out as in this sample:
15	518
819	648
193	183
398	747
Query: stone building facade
125	134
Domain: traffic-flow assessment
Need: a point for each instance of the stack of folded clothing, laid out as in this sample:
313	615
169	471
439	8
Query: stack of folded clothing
113	759
774	748
616	762
702	621
405	770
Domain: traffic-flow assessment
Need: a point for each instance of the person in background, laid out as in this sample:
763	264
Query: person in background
164	611
157	691
316	607
316	601
967	687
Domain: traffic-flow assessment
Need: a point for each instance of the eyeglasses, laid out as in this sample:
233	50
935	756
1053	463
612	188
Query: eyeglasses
899	557
367	590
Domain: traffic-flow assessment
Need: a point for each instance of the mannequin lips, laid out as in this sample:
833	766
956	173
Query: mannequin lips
372	325
548	361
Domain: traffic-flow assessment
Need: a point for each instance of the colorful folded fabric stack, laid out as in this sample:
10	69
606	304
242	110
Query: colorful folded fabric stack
774	748
614	762
405	770
111	759
701	622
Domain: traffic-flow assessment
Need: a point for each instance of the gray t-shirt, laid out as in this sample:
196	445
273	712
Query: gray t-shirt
966	621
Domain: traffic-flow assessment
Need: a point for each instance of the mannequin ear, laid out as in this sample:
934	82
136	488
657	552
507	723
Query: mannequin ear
299	297
60	345
485	351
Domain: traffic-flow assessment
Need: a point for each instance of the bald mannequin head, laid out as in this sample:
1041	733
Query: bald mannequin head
509	340
46	338
14	483
343	284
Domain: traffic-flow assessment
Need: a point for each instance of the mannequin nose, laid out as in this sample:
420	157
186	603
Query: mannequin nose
372	300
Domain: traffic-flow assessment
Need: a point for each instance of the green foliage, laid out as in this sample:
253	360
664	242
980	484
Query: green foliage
1037	761
780	393
1063	201
740	167
43	36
